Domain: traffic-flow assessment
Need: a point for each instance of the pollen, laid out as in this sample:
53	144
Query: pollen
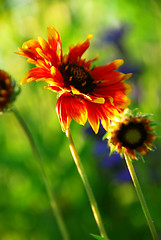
133	136
78	77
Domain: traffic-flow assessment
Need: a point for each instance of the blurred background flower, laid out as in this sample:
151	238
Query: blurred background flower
8	91
132	30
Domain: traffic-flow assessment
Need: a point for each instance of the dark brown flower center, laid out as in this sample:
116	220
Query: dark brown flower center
132	135
78	77
3	84
5	89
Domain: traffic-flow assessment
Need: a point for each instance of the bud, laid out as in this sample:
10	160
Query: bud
8	91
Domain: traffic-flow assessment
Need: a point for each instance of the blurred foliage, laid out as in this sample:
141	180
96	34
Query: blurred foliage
25	212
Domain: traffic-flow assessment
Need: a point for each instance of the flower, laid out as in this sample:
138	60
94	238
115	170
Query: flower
7	91
132	134
95	94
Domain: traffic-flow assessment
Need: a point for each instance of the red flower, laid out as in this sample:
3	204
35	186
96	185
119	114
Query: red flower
84	93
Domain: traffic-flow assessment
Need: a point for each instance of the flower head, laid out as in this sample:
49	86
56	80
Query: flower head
7	91
84	92
132	134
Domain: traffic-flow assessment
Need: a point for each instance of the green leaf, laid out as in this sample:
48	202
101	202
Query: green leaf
98	237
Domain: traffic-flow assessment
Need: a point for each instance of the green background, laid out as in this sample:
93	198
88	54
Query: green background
25	212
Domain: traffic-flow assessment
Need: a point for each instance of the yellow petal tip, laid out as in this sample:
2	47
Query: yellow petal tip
119	62
89	36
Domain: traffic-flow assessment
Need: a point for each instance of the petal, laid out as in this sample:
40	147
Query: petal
42	50
105	112
54	40
52	76
55	89
69	107
128	88
111	90
86	64
111	78
121	101
100	72
57	77
35	54
29	49
27	53
131	153
44	44
77	51
30	45
36	73
87	97
93	117
47	52
64	119
43	55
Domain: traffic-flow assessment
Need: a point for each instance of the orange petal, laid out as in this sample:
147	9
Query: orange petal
54	40
72	108
91	98
55	89
34	74
100	72
30	44
75	52
121	101
128	88
64	119
93	116
44	44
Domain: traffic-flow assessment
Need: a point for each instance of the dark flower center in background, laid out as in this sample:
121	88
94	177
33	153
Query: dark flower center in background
5	89
78	77
132	135
3	85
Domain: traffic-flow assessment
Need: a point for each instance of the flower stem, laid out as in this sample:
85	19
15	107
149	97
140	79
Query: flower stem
87	186
141	197
49	190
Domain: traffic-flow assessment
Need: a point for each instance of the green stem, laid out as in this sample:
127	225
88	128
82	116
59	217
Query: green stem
141	197
87	186
49	190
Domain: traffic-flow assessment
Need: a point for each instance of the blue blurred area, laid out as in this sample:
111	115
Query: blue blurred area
111	164
121	29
